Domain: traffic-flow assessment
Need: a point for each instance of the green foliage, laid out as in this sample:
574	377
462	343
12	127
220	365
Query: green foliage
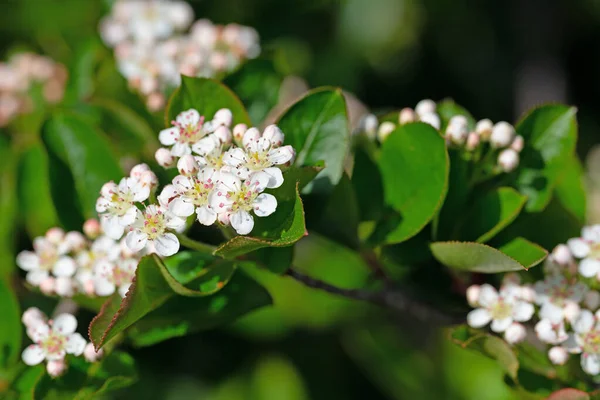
10	334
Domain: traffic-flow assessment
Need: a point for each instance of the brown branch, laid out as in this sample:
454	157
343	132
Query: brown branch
391	299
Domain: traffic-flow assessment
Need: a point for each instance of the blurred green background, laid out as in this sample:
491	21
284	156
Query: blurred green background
495	58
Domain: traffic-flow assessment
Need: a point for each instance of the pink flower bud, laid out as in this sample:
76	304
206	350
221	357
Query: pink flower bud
223	134
55	235
56	368
558	355
48	286
508	160
187	165
238	132
91	355
223	218
155	101
274	134
517	144
91	228
472	141
515	333
406	116
384	130
473	295
368	124
88	287
562	255
164	158
223	117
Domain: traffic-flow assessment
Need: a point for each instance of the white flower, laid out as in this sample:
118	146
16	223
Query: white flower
186	131
592	300
53	340
91	228
103	249
46	258
193	196
550	332
368	124
222	117
473	141
558	355
113	275
151	226
518	143
586	340
187	165
558	297
116	205
236	199
587	247
501	308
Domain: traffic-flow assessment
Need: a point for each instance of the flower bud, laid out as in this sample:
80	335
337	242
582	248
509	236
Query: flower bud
168	193
384	130
223	218
238	132
558	355
426	106
223	134
90	353
472	141
562	255
64	286
368	124
518	143
55	235
274	134
155	101
33	316
508	160
223	117
592	300
187	165
571	311
89	288
502	135
48	286
74	241
473	295
91	228
406	116
515	333
484	129
56	368
250	135
457	130
164	158
431	119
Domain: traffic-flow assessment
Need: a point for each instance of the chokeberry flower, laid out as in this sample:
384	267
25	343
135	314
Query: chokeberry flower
586	340
153	226
502	309
47	258
587	248
186	131
114	275
193	196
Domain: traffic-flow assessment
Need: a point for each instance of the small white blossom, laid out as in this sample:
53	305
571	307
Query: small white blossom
164	158
502	309
193	196
91	355
92	228
484	129
551	332
47	258
473	295
586	340
111	276
187	130
557	297
152	226
587	248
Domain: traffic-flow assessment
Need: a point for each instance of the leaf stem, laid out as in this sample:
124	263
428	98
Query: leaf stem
195	245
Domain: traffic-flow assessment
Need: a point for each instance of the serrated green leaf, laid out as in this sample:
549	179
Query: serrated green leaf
10	334
87	155
491	213
477	257
550	134
447	109
414	166
365	176
525	252
317	127
207	96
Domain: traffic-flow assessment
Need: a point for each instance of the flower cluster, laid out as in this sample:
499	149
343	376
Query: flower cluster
152	49
495	140
567	317
19	77
66	264
53	339
222	173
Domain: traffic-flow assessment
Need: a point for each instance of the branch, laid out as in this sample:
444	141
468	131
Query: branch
394	300
195	245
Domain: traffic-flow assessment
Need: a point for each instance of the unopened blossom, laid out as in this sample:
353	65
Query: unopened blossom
116	205
558	355
406	115
385	129
187	129
518	143
508	160
431	119
144	175
53	340
502	135
586	340
193	196
483	128
587	248
473	141
425	106
90	353
46	259
236	199
551	332
502	309
473	295
164	158
515	333
457	130
111	276
91	228
153	226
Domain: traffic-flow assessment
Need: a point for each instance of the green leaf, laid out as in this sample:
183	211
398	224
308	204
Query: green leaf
550	134
491	346
447	109
257	83
414	165
87	155
35	199
23	386
207	96
85	380
457	197
10	334
183	315
154	284
368	186
281	229
570	189
477	257
317	127
491	213
8	209
569	394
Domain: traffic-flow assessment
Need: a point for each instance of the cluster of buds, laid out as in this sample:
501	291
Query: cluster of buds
53	339
152	49
564	304
223	174
65	264
19	78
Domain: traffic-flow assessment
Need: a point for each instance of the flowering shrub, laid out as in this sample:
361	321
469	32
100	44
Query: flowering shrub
145	231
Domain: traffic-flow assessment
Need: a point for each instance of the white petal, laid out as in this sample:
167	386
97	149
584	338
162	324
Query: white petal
38	332
75	344
180	149
590	363
65	266
591	233
589	267
584	322
136	240
206	215
500	325
579	247
174	222
111	226
205	145
258	181
265	204
129	217
552	312
522	311
28	260
229	182
180	207
36	277
65	324
280	155
275	177
478	318
235	157
33	355
168	136
103	287
167	244
242	222
488	295
572	345
544	331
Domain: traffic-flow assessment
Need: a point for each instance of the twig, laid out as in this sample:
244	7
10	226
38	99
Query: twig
394	300
195	245
371	259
